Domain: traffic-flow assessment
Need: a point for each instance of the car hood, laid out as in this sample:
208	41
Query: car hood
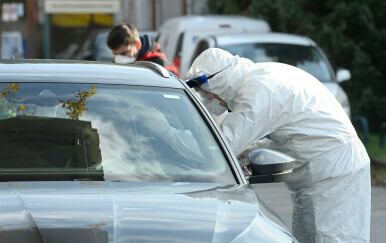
86	211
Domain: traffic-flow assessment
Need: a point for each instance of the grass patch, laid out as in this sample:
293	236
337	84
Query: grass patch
378	158
373	146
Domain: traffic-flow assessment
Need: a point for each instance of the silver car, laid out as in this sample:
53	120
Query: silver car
99	152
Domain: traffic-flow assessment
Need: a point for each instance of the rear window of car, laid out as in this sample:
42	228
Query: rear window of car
304	57
59	131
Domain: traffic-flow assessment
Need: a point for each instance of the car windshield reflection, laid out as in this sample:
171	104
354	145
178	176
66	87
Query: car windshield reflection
105	132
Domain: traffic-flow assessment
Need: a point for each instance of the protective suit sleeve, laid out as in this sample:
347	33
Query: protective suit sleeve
254	116
262	143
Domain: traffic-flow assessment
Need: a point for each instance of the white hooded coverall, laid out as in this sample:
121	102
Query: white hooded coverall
330	183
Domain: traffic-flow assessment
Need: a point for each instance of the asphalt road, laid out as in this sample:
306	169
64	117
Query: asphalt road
278	198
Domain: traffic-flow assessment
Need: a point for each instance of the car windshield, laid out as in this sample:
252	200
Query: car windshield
304	57
59	131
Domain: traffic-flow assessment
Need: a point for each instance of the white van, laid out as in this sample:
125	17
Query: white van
178	36
296	50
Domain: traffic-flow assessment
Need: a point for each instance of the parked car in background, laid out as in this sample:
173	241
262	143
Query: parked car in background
99	152
12	45
95	46
299	51
178	36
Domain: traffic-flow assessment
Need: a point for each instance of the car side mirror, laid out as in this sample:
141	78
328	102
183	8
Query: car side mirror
343	75
269	166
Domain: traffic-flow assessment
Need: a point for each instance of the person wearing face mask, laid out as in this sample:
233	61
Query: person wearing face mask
213	103
128	46
330	182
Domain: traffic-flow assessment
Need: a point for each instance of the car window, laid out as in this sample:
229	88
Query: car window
201	47
102	51
177	55
11	45
105	132
304	57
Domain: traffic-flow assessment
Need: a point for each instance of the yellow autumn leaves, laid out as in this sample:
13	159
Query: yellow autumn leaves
75	107
8	109
9	88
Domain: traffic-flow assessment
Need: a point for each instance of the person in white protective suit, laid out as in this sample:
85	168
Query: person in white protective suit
330	183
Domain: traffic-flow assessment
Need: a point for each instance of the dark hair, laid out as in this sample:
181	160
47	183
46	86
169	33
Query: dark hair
122	34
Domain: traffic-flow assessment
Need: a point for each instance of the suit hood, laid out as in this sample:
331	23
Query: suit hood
227	83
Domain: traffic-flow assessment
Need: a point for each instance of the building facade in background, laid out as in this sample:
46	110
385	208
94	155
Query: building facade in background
57	28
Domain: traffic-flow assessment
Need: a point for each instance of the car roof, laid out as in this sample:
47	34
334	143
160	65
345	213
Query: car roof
283	38
202	22
74	71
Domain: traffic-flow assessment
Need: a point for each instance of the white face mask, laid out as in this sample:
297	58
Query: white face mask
214	107
124	59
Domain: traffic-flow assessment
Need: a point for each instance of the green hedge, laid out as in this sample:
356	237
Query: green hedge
352	33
